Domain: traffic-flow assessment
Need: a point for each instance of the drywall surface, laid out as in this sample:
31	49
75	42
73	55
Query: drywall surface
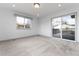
45	27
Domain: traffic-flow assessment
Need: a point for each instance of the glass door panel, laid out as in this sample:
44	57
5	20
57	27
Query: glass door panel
68	27
56	27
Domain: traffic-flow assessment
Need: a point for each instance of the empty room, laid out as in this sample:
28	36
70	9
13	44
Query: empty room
39	29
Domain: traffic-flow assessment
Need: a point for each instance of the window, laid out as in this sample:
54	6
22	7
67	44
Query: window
23	23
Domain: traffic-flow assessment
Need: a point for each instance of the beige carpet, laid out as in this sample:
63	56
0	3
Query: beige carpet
38	46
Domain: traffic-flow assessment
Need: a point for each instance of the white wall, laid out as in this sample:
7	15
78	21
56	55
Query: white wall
45	27
8	26
45	23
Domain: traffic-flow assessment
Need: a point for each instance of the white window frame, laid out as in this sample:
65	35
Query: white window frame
24	22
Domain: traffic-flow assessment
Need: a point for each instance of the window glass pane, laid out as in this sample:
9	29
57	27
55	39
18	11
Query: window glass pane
56	23
20	22
23	23
68	27
27	23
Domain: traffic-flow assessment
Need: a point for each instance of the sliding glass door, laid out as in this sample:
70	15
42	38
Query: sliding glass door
68	27
64	27
56	30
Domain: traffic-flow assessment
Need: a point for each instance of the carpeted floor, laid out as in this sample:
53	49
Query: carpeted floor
38	46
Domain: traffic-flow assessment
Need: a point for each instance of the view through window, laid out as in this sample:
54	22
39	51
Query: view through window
23	23
64	27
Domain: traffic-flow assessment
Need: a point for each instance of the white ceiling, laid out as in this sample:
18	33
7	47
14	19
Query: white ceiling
44	10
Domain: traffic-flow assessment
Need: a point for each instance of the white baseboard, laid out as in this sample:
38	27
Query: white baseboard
51	38
19	38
